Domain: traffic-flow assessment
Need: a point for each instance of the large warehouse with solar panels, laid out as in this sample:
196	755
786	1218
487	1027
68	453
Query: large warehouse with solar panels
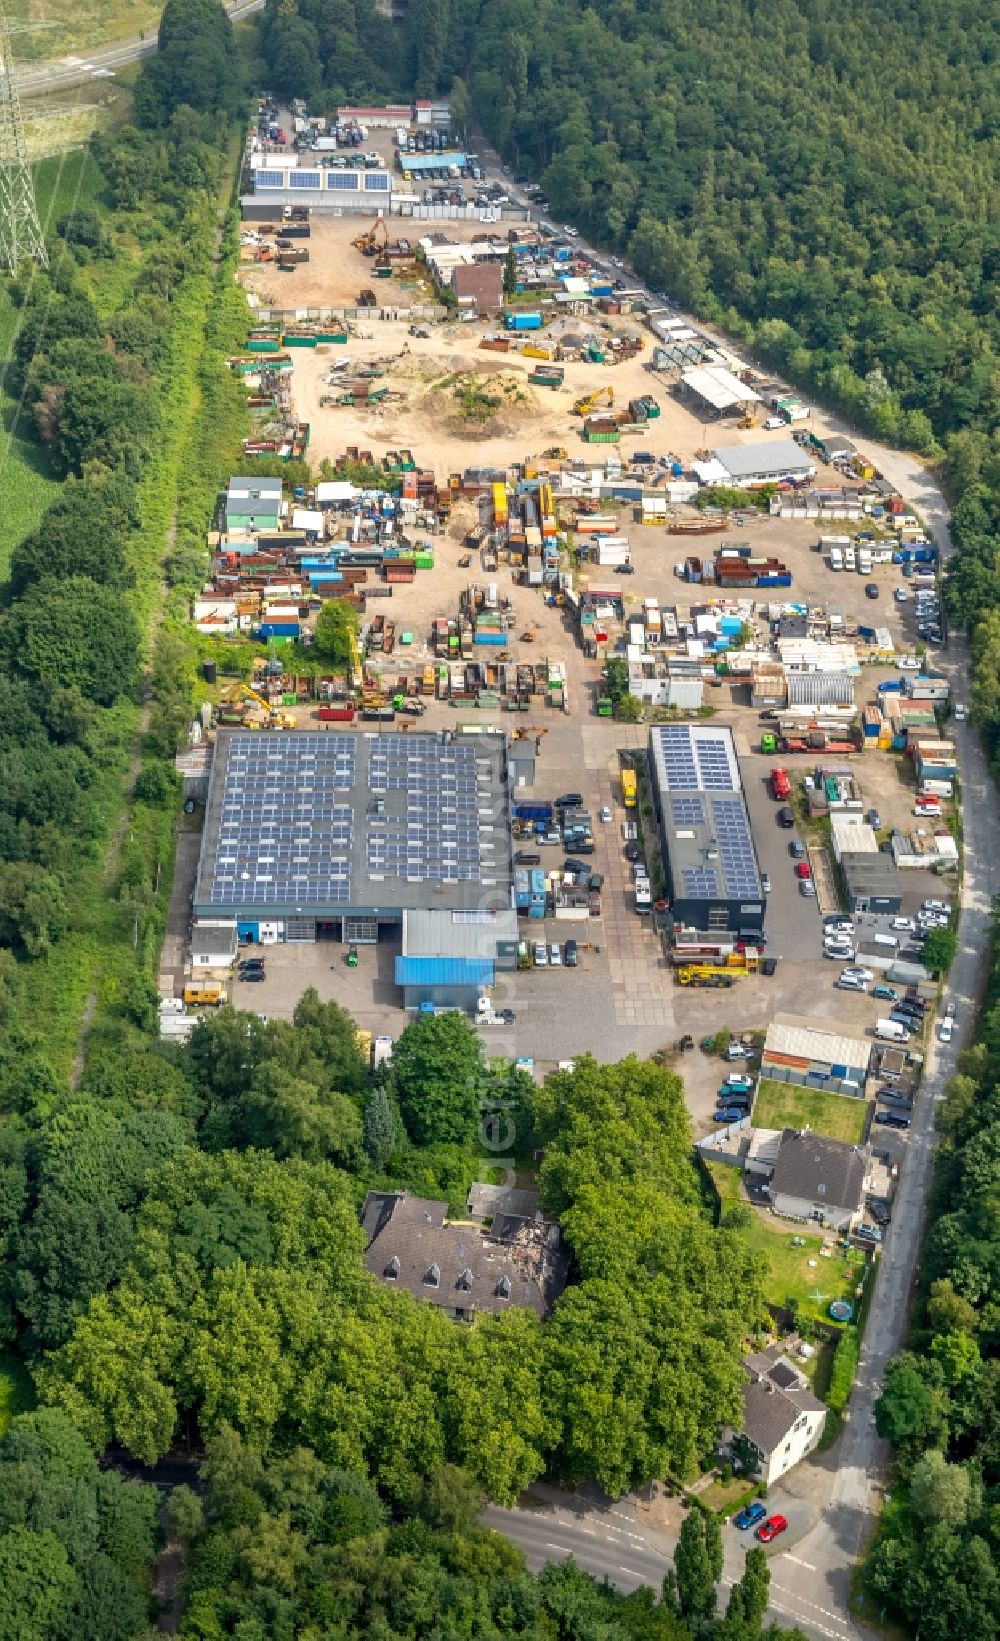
708	849
345	837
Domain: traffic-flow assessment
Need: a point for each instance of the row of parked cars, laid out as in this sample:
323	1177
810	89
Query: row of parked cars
545	956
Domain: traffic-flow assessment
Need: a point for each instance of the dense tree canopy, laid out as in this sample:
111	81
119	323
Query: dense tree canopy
196	65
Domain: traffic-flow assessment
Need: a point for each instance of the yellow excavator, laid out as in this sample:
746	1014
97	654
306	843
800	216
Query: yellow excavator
374	239
590	401
275	719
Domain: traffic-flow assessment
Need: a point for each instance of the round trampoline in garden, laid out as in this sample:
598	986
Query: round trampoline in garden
841	1311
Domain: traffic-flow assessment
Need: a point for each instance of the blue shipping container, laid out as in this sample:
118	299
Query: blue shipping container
497	639
523	321
279	629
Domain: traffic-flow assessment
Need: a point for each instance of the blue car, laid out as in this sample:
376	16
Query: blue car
749	1517
733	1114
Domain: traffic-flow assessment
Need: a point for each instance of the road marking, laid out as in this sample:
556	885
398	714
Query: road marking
798	1561
793	1596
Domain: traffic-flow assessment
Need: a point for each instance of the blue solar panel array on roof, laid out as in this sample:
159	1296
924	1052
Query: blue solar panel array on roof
283	838
438	837
735	846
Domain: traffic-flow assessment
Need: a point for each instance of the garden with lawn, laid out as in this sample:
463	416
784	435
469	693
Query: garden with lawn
786	1105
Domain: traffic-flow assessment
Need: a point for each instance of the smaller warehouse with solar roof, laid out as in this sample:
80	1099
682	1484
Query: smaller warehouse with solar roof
708	851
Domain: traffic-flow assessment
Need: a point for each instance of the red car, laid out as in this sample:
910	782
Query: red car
803	869
770	1528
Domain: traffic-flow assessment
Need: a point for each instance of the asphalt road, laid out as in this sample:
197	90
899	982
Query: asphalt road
41	79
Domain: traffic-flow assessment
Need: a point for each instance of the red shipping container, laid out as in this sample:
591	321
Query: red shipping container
336	715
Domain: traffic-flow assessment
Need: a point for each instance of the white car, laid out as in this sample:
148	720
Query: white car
945	1029
949	1011
928	811
903	925
858	972
850	982
901	595
840	954
606	815
936	906
541	955
571	233
909	663
808	888
765	882
960	712
555	956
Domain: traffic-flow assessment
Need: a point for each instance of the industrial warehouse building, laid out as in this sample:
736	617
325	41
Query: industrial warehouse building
871	883
796	1050
761	463
717	390
708	851
343	837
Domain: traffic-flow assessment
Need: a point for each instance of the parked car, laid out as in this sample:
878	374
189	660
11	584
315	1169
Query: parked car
541	955
738	1081
527	857
903	925
555	955
785	817
960	712
253	975
860	971
875	820
797	850
836	921
889	1119
850	983
569	800
945	1029
949	1011
803	869
887	994
731	1113
936	906
631	851
769	966
808	888
765	882
871	591
606	815
750	1515
571	954
738	1051
770	1528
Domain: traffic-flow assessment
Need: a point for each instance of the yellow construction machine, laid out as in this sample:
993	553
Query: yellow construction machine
590	401
275	719
373	239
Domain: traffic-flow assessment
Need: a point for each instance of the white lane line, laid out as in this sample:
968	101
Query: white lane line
793	1596
799	1562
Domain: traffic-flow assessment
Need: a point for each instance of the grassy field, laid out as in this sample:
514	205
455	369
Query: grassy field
784	1105
59	28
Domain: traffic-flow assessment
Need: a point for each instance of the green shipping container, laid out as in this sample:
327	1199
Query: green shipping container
425	561
332	336
290	700
264	344
301	341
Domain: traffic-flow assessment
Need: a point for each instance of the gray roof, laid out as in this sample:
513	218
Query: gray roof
867	874
486	1201
773	456
775	1399
438	933
518	1262
704	816
316	824
820	1170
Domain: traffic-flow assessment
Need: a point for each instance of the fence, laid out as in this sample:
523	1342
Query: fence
304	316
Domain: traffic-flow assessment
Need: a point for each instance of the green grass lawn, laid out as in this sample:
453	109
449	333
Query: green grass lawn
66	26
17	1393
798	1269
785	1105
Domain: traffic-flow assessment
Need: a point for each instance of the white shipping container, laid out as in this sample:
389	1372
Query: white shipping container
834	541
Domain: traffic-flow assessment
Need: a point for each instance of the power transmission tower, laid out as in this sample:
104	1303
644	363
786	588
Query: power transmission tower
20	229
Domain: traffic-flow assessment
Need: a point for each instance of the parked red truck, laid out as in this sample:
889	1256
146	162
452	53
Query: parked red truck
781	786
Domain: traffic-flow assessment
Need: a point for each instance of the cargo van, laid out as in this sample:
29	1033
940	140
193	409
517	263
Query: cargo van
836	559
643	897
850	559
891	1032
887	940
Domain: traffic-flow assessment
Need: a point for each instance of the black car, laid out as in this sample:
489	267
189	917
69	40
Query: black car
626	569
569	800
253	975
889	1119
527	857
577	866
631	851
571	956
871	591
785	817
769	966
250	963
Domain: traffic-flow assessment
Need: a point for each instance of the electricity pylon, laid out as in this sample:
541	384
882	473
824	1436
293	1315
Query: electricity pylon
20	229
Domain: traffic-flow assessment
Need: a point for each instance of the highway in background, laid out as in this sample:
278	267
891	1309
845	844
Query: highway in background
41	79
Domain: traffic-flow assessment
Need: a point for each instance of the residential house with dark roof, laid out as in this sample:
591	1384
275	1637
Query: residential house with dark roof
782	1419
818	1178
465	1269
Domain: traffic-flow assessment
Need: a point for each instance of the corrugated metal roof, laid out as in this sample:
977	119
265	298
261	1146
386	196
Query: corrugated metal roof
820	689
787	1035
444	971
439	933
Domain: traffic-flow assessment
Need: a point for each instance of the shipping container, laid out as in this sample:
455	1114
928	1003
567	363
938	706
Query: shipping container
336	714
